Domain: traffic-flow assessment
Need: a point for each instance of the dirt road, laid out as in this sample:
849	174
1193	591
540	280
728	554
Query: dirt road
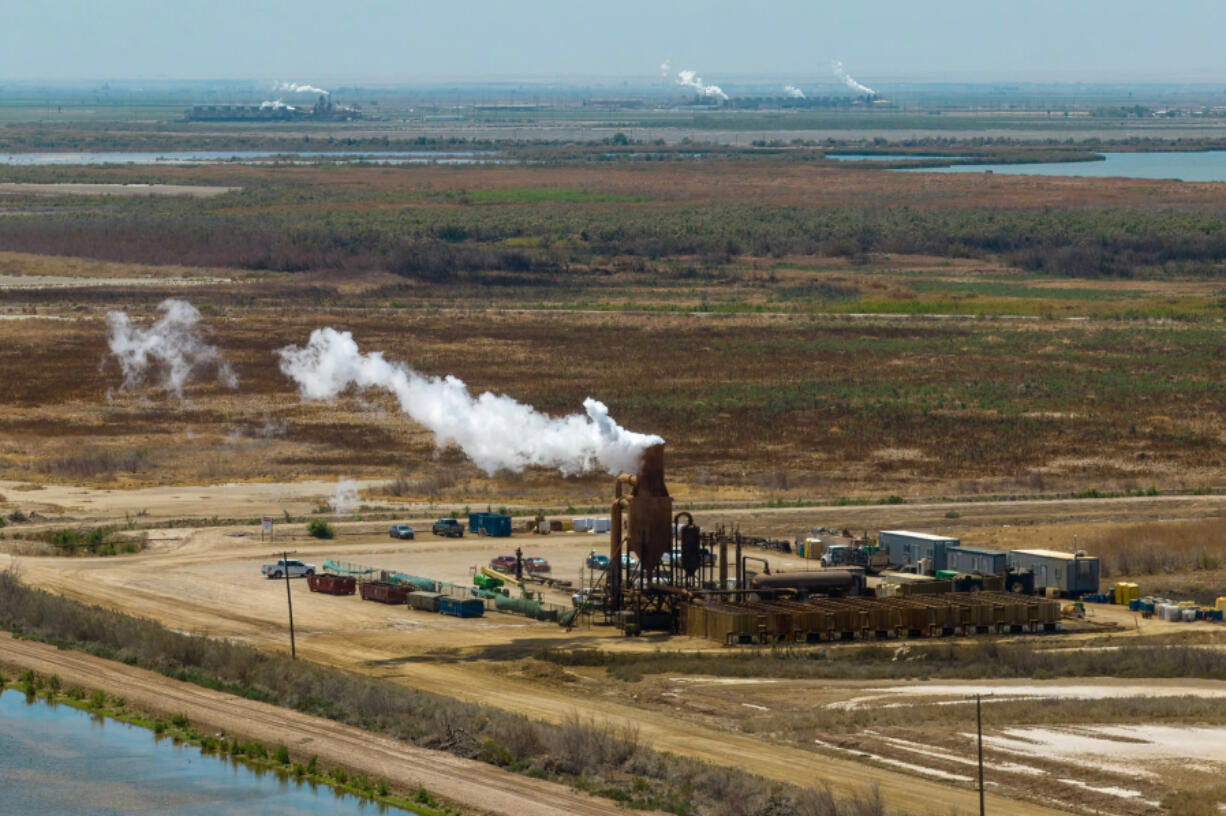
474	785
206	581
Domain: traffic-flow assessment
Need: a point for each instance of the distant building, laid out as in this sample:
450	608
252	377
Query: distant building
277	111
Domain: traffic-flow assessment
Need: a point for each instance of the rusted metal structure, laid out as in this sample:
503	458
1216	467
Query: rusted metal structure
384	592
745	620
332	584
639	525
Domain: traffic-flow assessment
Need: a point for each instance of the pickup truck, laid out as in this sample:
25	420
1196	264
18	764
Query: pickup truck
503	563
448	528
293	568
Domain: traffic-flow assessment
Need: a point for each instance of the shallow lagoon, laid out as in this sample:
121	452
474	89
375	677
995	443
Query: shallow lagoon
1201	166
56	760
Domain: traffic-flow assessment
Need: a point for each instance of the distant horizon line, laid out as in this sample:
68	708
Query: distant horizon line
641	79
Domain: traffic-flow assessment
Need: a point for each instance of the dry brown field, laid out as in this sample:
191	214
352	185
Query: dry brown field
793	390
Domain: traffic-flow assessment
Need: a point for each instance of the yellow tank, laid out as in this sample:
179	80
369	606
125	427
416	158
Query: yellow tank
1221	603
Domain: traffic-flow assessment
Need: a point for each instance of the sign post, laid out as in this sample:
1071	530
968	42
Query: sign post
266	528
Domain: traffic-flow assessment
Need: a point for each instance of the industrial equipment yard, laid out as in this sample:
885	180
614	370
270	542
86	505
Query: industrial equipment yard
903	736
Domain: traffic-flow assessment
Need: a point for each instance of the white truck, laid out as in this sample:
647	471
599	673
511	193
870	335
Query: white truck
291	567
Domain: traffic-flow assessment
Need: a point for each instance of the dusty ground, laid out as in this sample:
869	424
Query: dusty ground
206	581
125	190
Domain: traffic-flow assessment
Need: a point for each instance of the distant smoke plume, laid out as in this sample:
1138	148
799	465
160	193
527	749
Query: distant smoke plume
850	81
690	79
345	499
666	68
295	87
175	346
794	92
495	431
276	104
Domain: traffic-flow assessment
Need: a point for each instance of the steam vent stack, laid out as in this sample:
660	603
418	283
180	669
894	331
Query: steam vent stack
650	533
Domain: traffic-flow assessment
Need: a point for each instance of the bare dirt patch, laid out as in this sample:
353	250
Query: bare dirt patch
130	190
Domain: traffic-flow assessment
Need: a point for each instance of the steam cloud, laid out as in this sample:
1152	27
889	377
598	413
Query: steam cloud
495	431
666	68
174	345
296	87
276	105
346	499
848	80
794	92
690	79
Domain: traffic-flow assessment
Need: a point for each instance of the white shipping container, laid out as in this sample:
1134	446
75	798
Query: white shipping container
601	525
582	525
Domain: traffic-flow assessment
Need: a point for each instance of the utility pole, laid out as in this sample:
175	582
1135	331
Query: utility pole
979	730
293	652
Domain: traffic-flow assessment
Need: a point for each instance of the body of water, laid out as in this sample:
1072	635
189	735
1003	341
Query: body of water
248	157
58	761
1203	166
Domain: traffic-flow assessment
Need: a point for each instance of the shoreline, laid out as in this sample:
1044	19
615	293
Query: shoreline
475	787
253	756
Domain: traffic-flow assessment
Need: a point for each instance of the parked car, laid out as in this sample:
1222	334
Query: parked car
536	564
291	567
448	528
503	563
597	561
584	597
401	531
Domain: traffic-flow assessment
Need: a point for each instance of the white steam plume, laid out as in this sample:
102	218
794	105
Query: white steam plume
794	92
495	431
276	105
297	87
346	499
174	345
690	79
848	80
666	68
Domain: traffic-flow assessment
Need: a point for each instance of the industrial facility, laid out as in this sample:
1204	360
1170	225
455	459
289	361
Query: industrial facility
322	111
663	572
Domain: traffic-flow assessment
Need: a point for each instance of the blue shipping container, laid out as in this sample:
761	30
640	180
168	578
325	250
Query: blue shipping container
490	524
471	608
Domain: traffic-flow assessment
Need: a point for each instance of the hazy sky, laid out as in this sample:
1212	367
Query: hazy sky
407	41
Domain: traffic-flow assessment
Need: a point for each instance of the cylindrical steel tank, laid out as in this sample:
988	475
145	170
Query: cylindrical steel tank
808	580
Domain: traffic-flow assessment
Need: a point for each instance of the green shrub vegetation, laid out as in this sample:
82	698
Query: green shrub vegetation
318	528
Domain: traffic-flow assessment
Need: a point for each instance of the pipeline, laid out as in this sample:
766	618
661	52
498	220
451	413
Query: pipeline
526	607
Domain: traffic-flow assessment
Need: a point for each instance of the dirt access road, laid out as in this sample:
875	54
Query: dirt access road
208	582
473	785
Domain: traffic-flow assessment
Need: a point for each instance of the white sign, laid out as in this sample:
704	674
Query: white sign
267	524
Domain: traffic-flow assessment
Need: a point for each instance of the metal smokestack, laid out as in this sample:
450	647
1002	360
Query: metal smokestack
651	511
